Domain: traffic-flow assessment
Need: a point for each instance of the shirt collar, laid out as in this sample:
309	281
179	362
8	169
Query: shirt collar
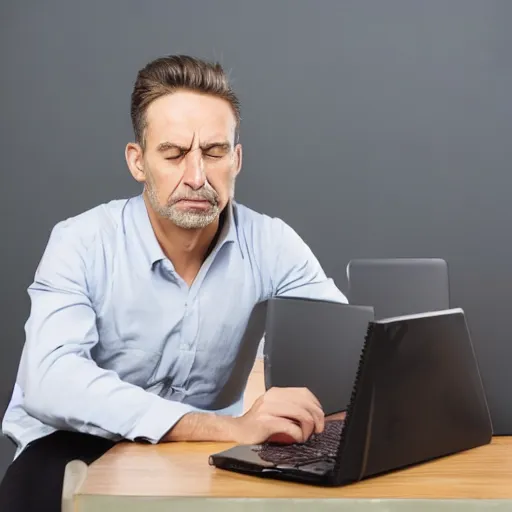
151	246
229	231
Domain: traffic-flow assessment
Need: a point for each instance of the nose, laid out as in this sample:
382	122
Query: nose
194	175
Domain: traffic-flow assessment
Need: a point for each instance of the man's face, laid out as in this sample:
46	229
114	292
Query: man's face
190	160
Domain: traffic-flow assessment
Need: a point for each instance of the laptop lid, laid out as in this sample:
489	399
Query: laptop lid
315	344
399	286
418	396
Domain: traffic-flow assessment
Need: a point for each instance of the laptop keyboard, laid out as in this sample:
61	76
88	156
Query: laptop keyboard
318	447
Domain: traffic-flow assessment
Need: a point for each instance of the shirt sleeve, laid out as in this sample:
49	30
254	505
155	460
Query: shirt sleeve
63	386
297	272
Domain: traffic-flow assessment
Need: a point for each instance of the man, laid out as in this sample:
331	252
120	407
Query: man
139	305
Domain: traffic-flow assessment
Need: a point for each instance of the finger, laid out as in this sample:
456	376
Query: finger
285	432
318	415
299	397
294	413
312	396
303	398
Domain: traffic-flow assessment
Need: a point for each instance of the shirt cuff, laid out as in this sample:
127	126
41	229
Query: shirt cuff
161	416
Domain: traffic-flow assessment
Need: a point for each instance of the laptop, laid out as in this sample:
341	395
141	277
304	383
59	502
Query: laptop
399	286
417	396
314	344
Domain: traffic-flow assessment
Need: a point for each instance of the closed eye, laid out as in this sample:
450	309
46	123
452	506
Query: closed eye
216	151
176	154
211	155
213	151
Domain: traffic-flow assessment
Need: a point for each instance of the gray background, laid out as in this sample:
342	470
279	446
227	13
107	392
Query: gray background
376	128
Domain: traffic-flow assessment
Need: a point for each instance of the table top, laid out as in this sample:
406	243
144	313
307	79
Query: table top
133	477
182	470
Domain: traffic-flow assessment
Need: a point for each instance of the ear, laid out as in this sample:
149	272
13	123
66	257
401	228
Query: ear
238	159
134	159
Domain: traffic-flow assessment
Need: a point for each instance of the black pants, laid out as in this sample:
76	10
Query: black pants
34	480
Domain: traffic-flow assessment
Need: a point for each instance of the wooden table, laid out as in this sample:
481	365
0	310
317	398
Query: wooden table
176	476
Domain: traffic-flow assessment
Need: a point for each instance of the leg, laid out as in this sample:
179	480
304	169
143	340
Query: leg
33	482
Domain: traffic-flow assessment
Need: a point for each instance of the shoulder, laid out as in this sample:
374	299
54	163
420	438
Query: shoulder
270	242
82	232
283	258
262	228
91	224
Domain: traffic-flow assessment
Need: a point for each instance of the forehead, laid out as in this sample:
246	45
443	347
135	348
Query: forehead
182	116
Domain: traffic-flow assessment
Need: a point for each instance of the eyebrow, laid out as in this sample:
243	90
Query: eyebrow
166	146
223	145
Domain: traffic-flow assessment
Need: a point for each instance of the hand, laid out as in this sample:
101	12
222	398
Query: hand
286	415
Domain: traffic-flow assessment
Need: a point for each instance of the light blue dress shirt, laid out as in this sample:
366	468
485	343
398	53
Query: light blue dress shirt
118	345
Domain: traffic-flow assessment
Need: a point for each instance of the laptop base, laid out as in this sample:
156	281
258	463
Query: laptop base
244	459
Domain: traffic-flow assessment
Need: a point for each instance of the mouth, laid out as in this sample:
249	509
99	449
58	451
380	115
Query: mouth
194	204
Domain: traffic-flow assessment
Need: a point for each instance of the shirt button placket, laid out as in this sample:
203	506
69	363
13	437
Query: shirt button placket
190	327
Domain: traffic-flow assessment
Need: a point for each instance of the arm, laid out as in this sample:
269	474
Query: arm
205	427
63	386
297	272
283	415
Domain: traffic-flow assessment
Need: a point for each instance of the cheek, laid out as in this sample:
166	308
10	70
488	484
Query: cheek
165	183
221	182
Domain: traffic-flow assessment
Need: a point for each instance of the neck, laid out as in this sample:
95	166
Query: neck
186	248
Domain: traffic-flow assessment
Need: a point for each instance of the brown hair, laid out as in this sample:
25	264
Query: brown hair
166	75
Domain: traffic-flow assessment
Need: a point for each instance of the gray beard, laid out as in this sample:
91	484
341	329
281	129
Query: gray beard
182	218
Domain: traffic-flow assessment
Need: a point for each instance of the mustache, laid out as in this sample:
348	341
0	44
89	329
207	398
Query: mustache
195	195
